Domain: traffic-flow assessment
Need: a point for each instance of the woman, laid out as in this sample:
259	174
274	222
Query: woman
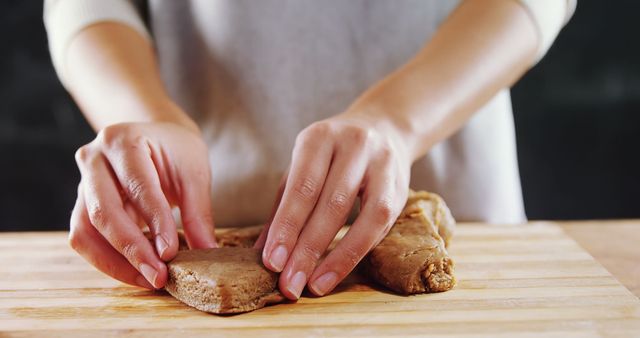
286	112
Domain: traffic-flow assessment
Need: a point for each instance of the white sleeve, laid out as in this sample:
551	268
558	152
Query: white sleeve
549	16
63	19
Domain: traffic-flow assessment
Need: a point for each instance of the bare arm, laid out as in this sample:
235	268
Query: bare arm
368	150
147	157
483	47
113	76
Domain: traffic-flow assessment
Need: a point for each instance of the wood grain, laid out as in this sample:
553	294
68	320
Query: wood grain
527	281
614	244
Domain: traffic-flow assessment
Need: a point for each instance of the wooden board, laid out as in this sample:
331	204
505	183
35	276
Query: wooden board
620	253
528	281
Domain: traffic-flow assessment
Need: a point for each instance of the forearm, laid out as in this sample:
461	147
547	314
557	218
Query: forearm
113	76
482	47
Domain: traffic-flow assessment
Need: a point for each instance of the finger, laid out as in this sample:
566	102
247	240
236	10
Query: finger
336	200
106	213
379	210
195	207
86	240
310	163
139	179
259	244
133	214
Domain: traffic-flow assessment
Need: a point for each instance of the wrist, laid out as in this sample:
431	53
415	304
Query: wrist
167	111
142	109
390	126
135	108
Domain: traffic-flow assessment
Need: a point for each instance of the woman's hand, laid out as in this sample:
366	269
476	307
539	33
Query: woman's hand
369	153
334	161
132	173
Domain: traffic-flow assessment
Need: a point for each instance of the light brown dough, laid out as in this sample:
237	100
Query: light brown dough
241	237
222	280
413	258
231	279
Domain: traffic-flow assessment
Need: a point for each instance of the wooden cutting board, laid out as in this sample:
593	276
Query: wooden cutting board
524	281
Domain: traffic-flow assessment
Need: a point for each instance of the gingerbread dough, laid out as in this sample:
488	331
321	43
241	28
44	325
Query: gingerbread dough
413	258
222	280
241	237
230	279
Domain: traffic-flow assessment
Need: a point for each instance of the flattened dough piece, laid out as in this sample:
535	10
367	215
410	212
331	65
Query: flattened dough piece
222	280
413	258
241	237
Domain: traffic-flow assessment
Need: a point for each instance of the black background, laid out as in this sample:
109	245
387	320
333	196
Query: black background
577	119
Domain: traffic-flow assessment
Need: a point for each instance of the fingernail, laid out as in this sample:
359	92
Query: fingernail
278	258
149	273
161	245
143	282
324	283
297	283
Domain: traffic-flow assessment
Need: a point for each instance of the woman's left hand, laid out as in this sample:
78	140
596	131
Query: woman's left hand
333	162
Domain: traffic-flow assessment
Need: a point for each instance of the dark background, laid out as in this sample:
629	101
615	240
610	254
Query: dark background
577	119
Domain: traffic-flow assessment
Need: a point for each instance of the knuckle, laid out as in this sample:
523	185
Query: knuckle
316	130
383	211
87	157
119	135
385	153
74	239
154	218
321	128
306	188
359	136
338	203
309	252
129	249
135	188
146	198
82	154
351	256
110	135
288	228
97	215
136	141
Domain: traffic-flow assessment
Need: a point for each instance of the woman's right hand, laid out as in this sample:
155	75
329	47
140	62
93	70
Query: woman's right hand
132	174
